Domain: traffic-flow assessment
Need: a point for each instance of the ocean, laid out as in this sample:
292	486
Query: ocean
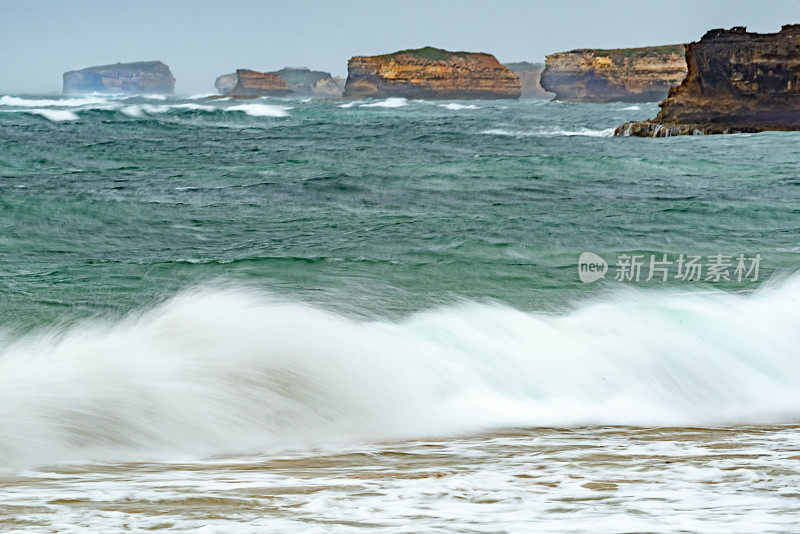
283	315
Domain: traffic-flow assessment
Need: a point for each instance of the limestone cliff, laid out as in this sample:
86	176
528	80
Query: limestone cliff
306	82
226	82
254	83
737	82
300	81
529	75
430	73
618	75
128	78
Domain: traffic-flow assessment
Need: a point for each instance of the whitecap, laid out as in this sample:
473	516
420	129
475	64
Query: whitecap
261	110
556	132
393	102
54	115
62	102
631	108
455	106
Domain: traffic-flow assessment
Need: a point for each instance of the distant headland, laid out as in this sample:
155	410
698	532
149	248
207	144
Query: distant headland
127	78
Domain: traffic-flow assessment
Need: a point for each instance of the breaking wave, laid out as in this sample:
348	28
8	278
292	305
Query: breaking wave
233	370
261	110
393	102
39	102
556	132
456	106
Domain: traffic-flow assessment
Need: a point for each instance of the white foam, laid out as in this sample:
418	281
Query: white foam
154	97
392	102
261	110
232	370
133	111
631	108
54	115
555	132
38	103
150	109
350	104
457	106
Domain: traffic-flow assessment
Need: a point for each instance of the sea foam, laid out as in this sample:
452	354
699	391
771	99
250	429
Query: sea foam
555	132
261	110
393	102
38	103
234	370
54	115
456	106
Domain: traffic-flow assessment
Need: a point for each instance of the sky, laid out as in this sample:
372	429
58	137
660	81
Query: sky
201	39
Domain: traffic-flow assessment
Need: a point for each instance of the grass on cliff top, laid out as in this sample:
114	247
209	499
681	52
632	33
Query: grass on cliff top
617	54
430	53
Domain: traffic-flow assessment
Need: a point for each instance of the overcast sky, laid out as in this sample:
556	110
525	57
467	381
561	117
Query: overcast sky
200	39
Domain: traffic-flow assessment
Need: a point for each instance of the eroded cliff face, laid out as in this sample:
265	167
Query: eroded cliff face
306	82
226	82
737	82
529	75
618	75
430	73
141	77
300	81
254	83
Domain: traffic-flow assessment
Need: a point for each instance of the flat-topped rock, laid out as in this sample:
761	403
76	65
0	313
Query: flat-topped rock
255	83
615	75
430	73
141	77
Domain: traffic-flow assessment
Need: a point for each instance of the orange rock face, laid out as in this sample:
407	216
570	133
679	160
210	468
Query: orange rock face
254	83
617	75
430	73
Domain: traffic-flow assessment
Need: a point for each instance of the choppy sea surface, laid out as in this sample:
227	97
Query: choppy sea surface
282	315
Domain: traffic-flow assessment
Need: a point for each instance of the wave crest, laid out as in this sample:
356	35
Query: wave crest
232	370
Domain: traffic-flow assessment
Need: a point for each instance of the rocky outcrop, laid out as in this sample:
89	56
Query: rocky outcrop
430	73
142	77
529	75
306	82
737	82
299	81
226	82
618	75
254	83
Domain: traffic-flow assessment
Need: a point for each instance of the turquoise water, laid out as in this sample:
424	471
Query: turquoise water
369	210
314	316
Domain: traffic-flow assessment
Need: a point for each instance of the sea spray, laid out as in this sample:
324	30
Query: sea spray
232	370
